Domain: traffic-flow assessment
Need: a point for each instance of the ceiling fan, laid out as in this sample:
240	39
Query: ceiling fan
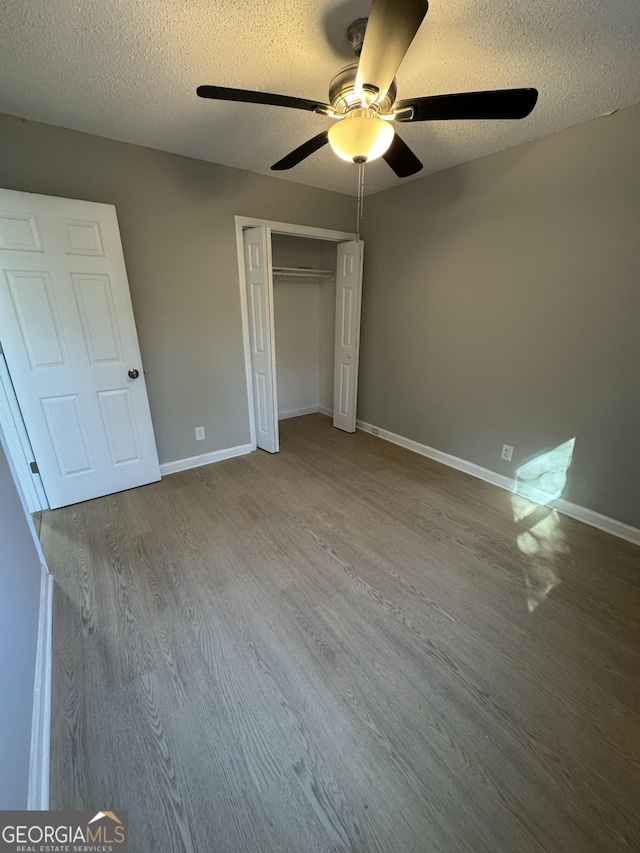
363	95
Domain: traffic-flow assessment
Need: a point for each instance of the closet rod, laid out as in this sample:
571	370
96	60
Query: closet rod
302	272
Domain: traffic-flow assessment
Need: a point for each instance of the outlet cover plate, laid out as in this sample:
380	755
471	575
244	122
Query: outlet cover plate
507	452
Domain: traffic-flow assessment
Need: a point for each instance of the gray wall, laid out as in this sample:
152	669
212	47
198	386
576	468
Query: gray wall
177	223
20	576
296	308
288	251
502	305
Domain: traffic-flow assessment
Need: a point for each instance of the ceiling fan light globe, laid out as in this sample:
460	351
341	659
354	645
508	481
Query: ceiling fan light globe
360	136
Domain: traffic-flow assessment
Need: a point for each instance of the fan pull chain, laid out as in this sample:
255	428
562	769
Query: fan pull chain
360	199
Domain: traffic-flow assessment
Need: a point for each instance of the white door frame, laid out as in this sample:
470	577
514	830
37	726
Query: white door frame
291	230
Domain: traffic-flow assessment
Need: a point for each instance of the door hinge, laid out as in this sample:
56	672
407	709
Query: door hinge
34	467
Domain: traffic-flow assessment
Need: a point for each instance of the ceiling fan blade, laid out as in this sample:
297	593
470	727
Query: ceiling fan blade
501	103
302	152
401	158
391	28
246	96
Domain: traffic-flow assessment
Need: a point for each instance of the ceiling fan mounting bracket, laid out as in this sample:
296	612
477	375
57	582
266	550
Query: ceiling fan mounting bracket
355	34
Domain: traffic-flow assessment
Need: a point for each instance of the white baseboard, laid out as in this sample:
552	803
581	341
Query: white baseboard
296	413
595	519
580	513
325	411
38	794
446	458
204	459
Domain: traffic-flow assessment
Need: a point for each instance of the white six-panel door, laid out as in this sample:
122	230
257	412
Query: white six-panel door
259	281
69	337
347	340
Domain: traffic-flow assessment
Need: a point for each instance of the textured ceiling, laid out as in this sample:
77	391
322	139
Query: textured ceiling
128	70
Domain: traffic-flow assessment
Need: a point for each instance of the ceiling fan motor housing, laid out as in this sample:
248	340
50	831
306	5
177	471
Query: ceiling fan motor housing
342	94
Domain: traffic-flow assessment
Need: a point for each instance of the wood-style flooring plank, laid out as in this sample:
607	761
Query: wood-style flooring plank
344	647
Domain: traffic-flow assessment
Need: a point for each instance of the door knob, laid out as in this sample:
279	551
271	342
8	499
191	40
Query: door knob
133	373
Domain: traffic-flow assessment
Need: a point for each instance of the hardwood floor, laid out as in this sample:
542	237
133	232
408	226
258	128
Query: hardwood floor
344	647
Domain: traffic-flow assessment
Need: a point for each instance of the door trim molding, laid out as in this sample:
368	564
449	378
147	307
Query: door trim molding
292	230
579	513
295	230
38	792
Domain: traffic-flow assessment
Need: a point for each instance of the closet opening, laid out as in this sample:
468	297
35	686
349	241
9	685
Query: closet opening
304	308
301	293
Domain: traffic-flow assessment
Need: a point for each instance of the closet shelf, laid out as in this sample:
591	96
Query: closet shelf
302	274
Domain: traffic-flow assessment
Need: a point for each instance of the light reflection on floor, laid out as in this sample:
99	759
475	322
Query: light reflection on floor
539	482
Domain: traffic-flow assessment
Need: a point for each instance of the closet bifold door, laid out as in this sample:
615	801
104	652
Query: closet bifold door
259	283
347	340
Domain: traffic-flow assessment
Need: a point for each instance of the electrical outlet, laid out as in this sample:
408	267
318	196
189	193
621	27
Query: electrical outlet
507	452
199	433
